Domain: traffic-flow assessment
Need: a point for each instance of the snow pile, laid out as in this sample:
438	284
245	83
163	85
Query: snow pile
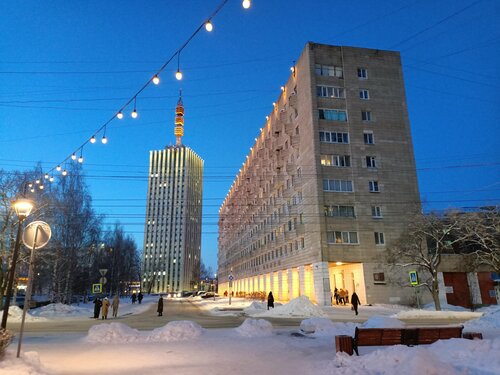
300	307
383	322
325	327
444	307
445	357
255	306
113	333
60	310
489	321
16	315
176	331
28	364
255	328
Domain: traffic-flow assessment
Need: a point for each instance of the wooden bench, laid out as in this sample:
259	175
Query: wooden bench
402	336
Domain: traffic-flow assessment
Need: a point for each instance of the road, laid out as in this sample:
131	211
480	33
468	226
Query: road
185	310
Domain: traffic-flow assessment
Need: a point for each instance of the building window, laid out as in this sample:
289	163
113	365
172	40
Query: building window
336	160
368	137
333	114
328	70
337	237
339	211
362	73
366	116
379	238
364	94
376	212
371	162
337	185
333	137
379	278
330	92
373	186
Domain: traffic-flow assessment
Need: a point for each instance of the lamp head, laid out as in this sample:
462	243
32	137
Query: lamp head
23	207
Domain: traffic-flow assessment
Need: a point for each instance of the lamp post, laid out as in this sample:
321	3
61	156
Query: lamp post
23	208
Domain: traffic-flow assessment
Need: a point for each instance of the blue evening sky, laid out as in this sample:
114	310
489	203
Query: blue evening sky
67	66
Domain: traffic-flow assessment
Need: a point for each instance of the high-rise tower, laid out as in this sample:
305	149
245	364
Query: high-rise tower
172	233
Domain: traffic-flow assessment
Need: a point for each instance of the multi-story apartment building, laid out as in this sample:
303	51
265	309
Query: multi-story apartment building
172	233
328	184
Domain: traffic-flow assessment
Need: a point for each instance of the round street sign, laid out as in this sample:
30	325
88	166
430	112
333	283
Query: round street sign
103	280
230	277
43	234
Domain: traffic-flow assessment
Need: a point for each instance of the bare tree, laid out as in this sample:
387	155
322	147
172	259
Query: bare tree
483	237
426	239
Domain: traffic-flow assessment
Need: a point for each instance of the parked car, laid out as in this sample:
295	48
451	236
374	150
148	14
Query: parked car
209	295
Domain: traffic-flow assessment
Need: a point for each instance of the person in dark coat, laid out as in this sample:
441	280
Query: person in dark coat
160	306
336	295
140	297
134	297
355	302
270	300
97	307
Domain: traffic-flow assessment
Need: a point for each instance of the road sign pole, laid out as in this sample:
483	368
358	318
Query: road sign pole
27	297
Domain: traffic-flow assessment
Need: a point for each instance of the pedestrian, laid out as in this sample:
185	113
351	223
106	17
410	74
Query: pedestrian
270	300
346	296
97	307
140	297
134	297
160	306
341	296
116	303
336	295
105	308
355	302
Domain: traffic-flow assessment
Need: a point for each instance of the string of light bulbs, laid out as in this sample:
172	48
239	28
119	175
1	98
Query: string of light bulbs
119	114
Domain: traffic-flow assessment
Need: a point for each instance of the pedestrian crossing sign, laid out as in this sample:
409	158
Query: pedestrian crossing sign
413	277
96	288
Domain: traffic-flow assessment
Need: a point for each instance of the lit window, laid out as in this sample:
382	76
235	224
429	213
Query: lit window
337	237
336	160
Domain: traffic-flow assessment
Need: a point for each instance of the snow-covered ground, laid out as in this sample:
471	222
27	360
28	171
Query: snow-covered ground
253	348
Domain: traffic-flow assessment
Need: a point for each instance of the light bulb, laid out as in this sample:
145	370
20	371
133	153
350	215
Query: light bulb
51	179
246	4
282	88
292	69
30	185
209	26
46	176
156	79
104	140
134	114
119	115
58	168
73	156
92	140
64	173
41	187
178	75
37	182
32	190
80	159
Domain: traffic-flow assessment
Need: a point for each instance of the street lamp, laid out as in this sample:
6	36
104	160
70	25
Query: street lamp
23	208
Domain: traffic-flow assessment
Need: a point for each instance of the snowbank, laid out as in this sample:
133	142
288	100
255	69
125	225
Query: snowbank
487	323
325	327
175	331
383	322
28	364
300	307
259	306
113	333
16	315
60	310
255	328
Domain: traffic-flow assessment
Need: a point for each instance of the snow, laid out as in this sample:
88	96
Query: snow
488	324
255	328
429	314
300	307
16	315
383	322
325	327
113	333
56	310
177	330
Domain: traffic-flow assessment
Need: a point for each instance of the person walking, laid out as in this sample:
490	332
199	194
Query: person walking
140	297
336	295
105	308
270	300
134	297
346	296
97	307
355	302
115	304
160	306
